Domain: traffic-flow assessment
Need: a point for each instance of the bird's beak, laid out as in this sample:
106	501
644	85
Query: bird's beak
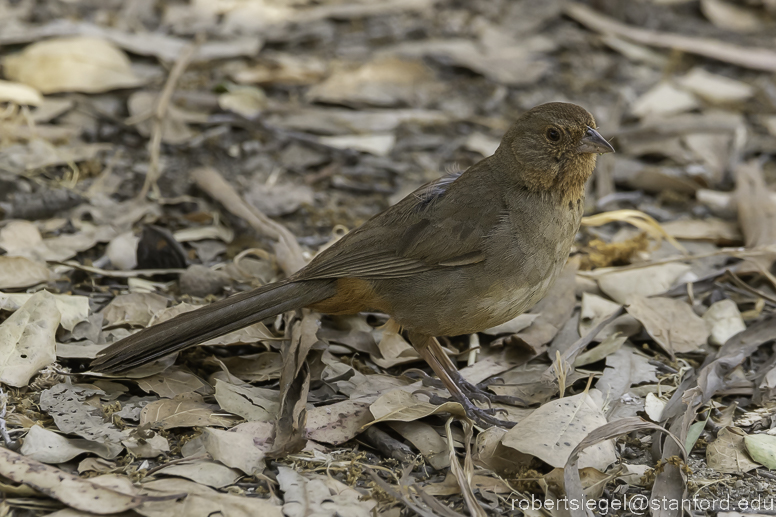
593	142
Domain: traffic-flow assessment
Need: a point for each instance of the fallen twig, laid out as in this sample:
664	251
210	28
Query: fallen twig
162	103
749	57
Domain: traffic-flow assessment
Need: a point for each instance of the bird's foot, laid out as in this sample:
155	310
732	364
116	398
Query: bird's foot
473	391
482	417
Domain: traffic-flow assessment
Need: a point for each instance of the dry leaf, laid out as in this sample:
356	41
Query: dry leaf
339	422
671	323
235	450
625	368
647	281
50	447
553	431
723	319
66	404
430	443
714	88
664	99
204	472
379	144
201	501
171	383
385	82
16	272
400	405
728	454
78	493
77	64
730	16
72	309
18	93
185	410
315	494
253	404
133	309
27	340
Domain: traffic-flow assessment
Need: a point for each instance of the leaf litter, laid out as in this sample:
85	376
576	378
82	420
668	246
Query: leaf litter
337	108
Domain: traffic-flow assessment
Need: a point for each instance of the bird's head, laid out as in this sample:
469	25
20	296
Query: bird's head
553	147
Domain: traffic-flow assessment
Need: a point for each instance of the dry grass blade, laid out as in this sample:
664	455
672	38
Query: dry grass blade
606	432
159	113
636	218
463	475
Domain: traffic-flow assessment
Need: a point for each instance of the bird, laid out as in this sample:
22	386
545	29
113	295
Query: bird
461	254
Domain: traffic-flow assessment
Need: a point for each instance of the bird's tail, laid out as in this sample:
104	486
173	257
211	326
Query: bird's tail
195	327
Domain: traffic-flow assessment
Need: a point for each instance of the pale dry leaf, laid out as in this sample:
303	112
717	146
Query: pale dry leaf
595	309
723	319
201	501
424	437
400	405
66	404
334	121
75	492
256	367
27	339
39	153
235	450
262	433
385	82
76	64
647	281
246	101
281	68
714	88
707	229
279	199
204	472
379	144
175	125
728	454
133	309
337	423
185	410
553	431
73	309
625	368
171	383
671	323
315	494
49	447
17	272
490	453
499	57
662	100
253	404
653	407
152	447
481	143
730	16
18	93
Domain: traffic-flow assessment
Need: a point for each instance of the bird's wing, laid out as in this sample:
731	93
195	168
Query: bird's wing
439	225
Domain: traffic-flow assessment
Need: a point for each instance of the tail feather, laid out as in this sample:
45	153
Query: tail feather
195	327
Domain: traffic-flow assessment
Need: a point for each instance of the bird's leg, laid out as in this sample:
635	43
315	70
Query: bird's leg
433	353
473	391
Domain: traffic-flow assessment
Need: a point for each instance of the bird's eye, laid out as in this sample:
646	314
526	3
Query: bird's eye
553	135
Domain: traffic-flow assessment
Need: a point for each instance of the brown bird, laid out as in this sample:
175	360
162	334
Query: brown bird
459	255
